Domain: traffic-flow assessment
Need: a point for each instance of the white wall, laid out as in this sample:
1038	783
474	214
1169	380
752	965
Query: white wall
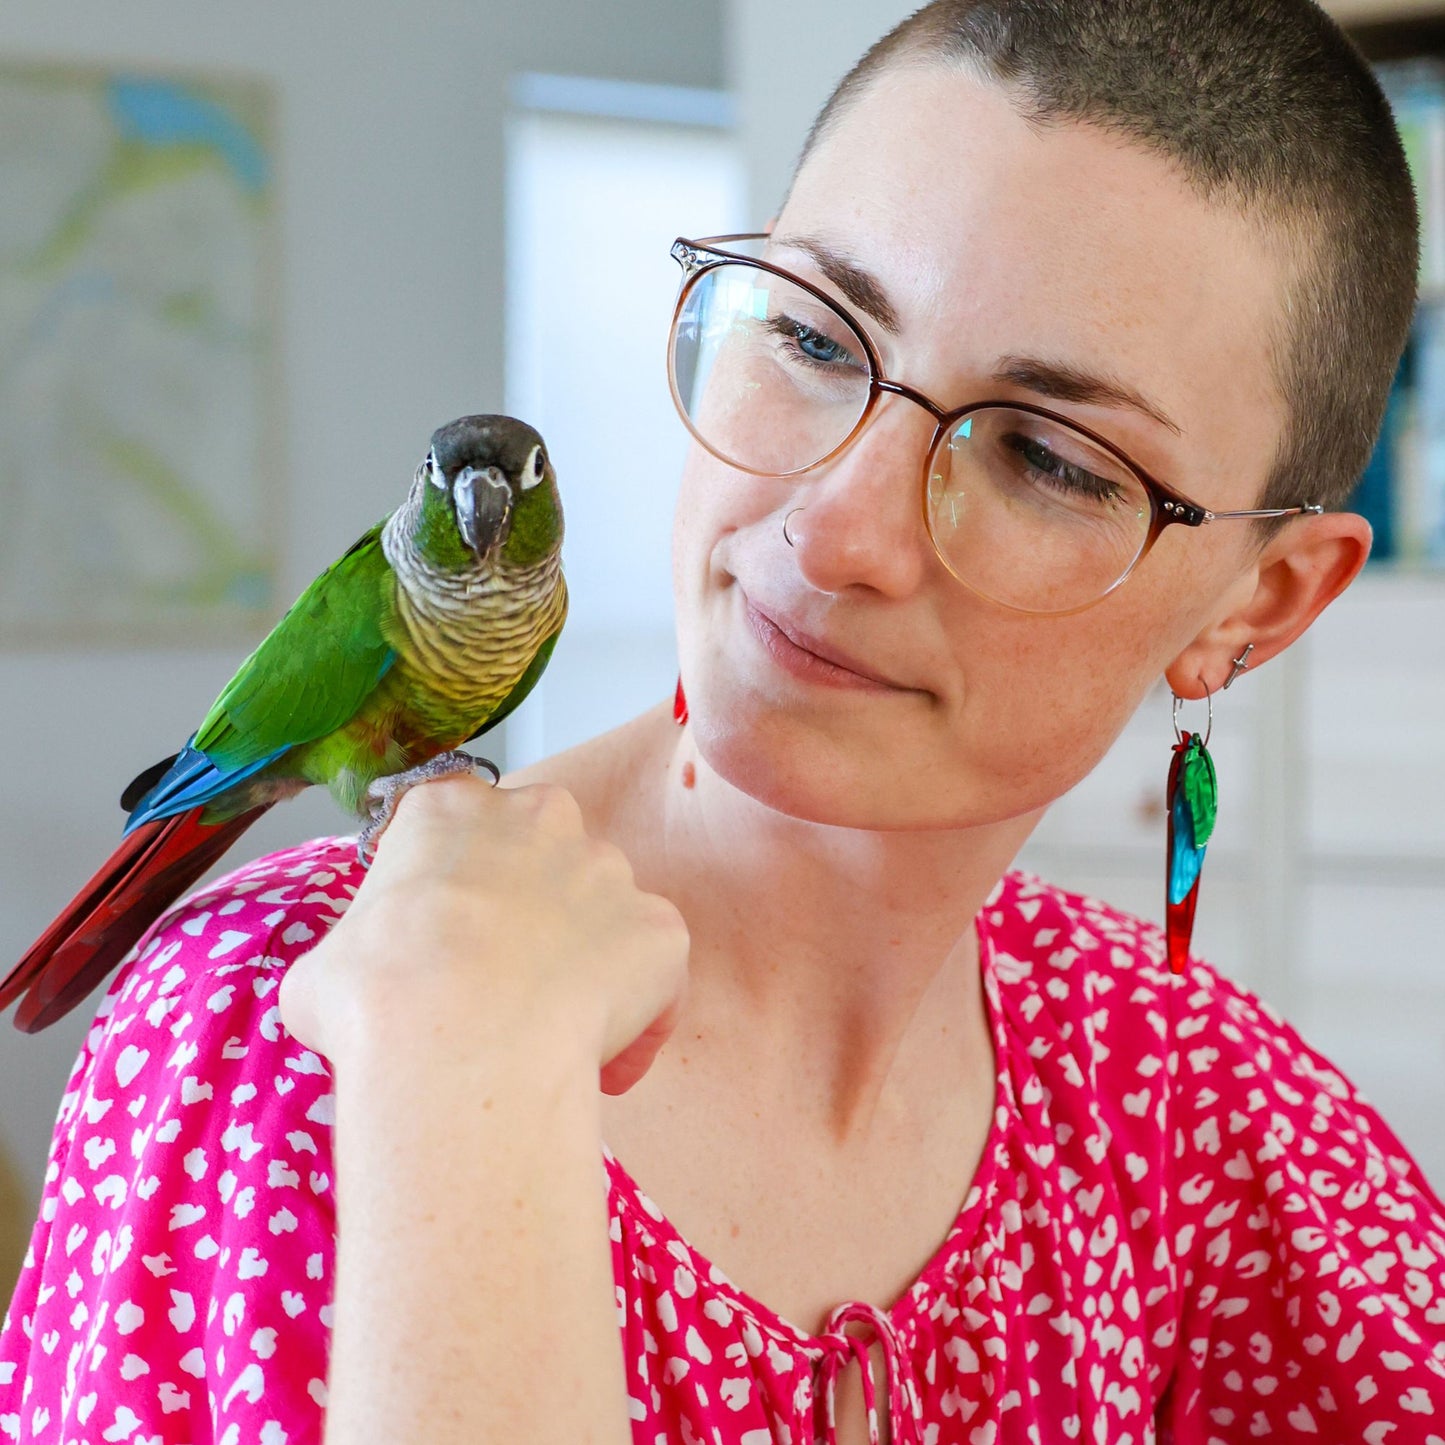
586	363
783	62
392	231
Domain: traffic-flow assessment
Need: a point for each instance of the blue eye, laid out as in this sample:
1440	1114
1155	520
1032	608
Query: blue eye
809	344
818	347
1048	465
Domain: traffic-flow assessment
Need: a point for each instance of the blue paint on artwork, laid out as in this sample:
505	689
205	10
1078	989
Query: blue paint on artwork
163	113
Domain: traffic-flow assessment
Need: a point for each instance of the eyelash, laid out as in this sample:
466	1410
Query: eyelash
1063	474
792	333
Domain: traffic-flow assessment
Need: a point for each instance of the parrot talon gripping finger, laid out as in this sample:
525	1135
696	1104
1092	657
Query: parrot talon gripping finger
430	630
385	793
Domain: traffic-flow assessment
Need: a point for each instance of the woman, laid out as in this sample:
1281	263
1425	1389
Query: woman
930	1150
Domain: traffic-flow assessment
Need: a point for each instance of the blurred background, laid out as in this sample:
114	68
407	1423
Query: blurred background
248	261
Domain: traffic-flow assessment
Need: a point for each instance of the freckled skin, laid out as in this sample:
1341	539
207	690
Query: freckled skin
1047	256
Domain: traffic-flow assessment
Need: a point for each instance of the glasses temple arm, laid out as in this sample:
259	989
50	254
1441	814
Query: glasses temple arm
1312	508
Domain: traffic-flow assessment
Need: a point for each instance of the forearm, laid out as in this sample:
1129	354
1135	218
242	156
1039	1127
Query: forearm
474	1290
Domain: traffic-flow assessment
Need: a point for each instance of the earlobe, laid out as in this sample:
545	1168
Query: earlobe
1298	574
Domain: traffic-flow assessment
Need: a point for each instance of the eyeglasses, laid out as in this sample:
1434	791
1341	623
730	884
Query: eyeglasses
1025	508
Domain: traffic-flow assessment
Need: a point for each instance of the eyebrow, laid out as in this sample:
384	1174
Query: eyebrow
860	286
1056	380
1062	382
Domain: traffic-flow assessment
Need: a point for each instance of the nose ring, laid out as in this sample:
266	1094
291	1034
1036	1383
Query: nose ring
787	538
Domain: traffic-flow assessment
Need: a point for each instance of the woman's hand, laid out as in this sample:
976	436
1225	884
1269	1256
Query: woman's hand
487	916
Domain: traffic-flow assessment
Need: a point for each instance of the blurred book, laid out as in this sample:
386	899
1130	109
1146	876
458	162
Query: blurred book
1416	92
1402	490
1374	498
1420	489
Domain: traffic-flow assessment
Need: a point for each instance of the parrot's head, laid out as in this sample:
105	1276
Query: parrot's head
485	489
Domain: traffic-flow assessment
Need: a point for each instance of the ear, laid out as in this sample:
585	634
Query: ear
1295	577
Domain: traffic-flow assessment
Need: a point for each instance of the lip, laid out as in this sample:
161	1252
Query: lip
810	657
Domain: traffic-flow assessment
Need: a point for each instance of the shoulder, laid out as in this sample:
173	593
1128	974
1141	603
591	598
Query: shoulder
1034	924
1232	1063
235	936
192	1156
203	979
1072	969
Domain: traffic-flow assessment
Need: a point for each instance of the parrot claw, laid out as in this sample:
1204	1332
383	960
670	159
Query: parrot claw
385	793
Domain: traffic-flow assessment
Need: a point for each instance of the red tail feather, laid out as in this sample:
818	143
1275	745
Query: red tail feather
148	871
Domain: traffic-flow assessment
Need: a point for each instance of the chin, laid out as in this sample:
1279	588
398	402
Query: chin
817	769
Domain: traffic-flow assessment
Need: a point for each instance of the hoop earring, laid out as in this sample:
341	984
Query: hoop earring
1192	800
787	538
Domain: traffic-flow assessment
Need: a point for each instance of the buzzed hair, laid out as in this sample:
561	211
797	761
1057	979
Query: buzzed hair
1262	104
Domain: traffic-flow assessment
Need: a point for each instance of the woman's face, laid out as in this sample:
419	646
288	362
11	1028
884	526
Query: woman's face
992	243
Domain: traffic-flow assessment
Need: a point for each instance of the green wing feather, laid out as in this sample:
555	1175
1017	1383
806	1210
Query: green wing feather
1201	790
316	667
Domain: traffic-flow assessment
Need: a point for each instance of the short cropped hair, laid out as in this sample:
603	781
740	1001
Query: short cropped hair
1262	104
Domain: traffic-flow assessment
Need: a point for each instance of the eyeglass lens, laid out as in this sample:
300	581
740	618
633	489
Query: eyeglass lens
1024	510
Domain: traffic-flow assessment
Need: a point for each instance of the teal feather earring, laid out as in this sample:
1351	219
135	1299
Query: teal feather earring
1193	801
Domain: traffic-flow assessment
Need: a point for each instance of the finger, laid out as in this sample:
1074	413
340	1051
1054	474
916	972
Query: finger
296	999
619	1074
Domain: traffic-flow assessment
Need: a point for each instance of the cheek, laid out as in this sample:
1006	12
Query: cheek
1026	707
1046	698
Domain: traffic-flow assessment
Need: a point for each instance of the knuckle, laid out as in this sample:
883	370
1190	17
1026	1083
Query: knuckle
607	858
553	804
424	802
665	915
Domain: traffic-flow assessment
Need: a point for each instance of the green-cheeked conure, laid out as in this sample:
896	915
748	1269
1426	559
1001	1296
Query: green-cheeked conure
427	633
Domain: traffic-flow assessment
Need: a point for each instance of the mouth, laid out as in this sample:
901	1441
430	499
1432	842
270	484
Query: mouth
810	657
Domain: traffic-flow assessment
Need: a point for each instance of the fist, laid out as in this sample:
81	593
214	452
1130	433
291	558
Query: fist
489	918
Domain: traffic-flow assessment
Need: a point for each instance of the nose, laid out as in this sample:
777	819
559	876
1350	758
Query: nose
860	518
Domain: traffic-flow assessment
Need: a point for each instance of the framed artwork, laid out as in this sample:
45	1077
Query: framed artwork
139	400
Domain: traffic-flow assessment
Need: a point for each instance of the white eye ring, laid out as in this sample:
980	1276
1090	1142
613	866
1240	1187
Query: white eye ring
533	471
432	472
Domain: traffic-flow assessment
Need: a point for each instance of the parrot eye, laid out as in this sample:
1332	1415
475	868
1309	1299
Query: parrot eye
532	472
432	471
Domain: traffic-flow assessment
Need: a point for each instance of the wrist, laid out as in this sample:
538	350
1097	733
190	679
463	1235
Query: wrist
481	1030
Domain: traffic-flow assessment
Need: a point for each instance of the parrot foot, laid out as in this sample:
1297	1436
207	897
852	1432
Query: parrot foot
385	793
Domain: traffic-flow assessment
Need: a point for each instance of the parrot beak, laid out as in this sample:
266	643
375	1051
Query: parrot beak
482	501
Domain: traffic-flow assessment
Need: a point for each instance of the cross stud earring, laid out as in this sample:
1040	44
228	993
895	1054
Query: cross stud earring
1241	664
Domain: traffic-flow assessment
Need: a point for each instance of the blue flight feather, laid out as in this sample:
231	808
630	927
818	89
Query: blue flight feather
1186	860
191	780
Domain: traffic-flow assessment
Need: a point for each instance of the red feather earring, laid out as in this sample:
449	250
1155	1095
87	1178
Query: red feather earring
679	706
1192	797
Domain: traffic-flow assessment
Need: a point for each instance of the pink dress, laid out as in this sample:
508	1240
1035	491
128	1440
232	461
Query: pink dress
1186	1225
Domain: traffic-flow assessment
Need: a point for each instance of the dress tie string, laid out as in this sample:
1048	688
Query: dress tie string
901	1405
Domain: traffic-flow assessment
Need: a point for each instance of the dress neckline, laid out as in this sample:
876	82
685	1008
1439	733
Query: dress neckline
939	1273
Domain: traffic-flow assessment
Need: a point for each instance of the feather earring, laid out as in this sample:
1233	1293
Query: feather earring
679	706
1192	800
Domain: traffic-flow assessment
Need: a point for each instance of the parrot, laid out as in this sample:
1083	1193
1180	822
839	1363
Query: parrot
426	634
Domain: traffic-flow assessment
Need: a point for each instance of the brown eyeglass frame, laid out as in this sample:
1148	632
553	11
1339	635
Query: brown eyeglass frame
698	257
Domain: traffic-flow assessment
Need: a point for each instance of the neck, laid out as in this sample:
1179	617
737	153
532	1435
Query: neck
835	951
